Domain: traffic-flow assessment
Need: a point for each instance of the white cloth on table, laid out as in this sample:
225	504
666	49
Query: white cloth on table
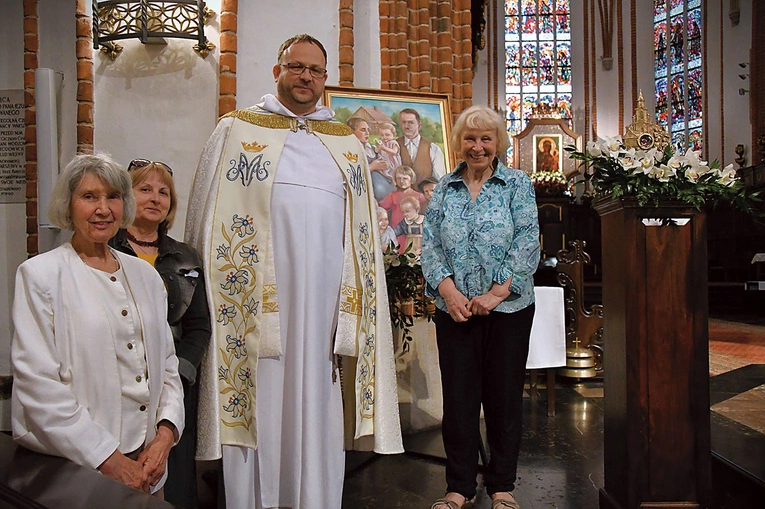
547	346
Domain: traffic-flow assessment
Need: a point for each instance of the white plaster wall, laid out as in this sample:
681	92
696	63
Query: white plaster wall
58	35
263	26
12	215
737	48
159	102
367	71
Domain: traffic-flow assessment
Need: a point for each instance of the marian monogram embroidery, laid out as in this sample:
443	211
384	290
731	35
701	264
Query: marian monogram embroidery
247	169
356	179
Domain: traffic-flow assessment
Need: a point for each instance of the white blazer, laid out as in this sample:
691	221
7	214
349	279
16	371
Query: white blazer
66	388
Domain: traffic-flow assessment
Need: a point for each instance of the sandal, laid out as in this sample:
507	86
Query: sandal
448	503
499	503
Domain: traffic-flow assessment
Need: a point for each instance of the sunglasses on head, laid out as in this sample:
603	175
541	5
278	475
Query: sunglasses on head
140	163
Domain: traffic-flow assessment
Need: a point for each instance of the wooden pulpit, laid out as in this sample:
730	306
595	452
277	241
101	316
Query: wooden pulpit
656	369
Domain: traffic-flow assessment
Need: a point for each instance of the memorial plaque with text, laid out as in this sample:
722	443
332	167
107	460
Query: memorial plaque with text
12	147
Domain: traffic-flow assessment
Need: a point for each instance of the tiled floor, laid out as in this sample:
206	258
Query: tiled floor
561	462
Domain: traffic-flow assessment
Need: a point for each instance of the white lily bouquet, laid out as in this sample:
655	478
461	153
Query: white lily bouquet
651	176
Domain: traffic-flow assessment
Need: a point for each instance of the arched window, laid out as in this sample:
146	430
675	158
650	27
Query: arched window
537	60
678	70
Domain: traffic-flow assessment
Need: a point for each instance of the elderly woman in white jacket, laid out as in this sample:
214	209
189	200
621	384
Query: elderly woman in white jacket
95	373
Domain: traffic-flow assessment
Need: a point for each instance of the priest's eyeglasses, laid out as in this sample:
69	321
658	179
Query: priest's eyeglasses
297	69
140	163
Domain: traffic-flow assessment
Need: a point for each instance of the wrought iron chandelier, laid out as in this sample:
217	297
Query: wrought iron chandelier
149	21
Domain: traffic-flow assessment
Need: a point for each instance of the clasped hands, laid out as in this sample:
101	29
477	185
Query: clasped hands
461	308
147	470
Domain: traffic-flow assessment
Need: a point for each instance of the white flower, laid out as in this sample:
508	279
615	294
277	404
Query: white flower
612	145
728	176
676	161
392	259
593	149
628	160
662	173
692	174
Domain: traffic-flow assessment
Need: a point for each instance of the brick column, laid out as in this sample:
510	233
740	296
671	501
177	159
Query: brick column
426	46
31	45
346	43
228	49
85	75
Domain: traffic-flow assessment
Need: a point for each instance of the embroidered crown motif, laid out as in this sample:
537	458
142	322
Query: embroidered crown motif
253	147
351	156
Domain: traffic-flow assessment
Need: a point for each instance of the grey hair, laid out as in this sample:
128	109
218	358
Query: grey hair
102	166
484	119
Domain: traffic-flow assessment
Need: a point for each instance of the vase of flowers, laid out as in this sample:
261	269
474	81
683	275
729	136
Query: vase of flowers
406	292
550	183
655	175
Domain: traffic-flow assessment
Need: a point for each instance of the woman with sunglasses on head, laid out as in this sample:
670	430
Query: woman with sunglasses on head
187	310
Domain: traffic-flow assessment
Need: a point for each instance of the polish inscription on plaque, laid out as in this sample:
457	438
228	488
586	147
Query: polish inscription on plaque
12	147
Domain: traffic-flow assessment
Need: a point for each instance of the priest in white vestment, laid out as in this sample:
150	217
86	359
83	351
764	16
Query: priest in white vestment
283	214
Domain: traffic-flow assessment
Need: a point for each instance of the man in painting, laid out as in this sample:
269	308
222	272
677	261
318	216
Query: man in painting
382	173
547	156
424	156
283	214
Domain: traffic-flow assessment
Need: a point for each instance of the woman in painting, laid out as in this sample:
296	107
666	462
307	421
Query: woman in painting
91	331
480	250
187	311
547	157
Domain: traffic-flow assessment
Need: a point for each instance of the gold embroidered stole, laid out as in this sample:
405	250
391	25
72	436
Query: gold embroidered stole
242	276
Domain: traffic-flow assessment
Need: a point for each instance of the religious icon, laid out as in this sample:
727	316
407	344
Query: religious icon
547	154
645	141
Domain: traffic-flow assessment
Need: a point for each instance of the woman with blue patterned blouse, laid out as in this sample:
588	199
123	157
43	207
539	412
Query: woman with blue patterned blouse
480	250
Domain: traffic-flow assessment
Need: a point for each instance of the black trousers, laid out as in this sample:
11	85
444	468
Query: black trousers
483	361
181	483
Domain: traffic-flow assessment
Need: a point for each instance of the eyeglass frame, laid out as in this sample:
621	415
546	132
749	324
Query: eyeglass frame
140	163
294	66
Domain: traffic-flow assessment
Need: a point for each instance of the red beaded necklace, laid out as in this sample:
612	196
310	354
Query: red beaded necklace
142	243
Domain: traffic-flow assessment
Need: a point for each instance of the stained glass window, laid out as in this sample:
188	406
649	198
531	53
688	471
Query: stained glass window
678	71
537	60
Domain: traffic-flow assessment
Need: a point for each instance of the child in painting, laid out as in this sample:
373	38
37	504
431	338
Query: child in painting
404	176
387	147
387	236
411	225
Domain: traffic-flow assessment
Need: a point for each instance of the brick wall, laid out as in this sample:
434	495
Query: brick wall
85	75
31	45
228	38
426	46
346	43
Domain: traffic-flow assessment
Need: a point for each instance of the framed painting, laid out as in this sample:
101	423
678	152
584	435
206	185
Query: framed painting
539	147
547	153
399	128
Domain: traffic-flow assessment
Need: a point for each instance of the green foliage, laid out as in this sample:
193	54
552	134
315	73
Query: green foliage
403	275
653	176
342	114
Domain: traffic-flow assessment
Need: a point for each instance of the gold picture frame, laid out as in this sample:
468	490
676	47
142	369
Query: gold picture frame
380	106
526	151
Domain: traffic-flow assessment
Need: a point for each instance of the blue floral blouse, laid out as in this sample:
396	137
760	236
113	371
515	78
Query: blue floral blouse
483	242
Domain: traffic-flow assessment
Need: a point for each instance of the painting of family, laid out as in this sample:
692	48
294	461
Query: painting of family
406	142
